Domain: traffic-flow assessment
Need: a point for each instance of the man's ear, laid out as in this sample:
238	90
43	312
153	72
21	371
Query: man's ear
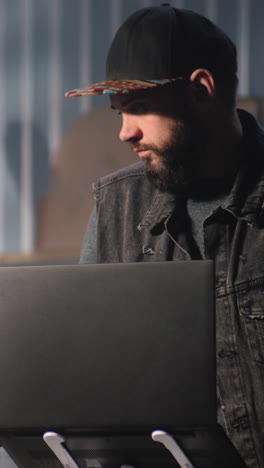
203	84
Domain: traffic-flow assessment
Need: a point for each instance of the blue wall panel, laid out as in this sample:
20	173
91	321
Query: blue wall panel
199	6
256	64
228	22
101	34
40	90
70	56
12	132
58	23
129	6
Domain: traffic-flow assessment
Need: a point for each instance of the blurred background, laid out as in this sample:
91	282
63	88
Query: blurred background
53	148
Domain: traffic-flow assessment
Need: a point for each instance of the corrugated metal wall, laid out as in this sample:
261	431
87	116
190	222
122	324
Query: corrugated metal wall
50	46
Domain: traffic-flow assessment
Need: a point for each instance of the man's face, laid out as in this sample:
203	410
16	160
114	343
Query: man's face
160	125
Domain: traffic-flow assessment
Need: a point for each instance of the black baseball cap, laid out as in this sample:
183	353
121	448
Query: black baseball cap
159	45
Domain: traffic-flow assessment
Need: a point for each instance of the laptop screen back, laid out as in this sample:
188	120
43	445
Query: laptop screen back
113	347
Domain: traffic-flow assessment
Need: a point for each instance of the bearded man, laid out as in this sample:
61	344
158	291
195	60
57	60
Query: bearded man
197	191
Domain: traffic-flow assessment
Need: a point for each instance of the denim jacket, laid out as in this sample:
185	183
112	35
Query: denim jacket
137	223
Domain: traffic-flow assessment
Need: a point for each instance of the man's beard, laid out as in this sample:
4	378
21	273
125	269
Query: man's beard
177	163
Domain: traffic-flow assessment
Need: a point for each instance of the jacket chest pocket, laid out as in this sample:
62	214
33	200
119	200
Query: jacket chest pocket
251	307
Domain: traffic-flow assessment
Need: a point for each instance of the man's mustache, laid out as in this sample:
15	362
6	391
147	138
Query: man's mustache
135	147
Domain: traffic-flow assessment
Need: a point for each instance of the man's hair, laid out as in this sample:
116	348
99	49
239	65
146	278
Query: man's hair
226	89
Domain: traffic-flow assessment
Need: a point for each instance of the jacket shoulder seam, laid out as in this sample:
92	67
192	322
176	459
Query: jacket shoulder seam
116	177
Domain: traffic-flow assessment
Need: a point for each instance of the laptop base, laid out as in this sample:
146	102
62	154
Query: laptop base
202	447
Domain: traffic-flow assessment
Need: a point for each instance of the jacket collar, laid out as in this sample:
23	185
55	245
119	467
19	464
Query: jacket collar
247	195
246	198
161	209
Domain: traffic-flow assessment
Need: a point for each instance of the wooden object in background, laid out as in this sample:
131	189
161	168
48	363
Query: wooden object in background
89	149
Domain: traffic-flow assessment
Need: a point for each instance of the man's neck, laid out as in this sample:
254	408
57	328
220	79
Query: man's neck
222	159
225	147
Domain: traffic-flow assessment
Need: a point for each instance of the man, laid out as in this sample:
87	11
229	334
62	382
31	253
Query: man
198	191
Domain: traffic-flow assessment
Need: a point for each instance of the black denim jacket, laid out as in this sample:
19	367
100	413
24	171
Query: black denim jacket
137	223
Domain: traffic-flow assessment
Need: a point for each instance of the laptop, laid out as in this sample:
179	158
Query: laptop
102	356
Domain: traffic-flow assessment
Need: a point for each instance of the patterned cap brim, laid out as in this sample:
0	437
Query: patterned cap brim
118	87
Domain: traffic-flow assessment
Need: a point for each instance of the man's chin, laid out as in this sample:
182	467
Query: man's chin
167	180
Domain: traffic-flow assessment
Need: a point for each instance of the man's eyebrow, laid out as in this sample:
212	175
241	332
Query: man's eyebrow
125	102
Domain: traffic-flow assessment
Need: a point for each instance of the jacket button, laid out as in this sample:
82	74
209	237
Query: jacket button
148	250
242	258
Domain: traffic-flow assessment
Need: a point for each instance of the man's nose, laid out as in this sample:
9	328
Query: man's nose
130	129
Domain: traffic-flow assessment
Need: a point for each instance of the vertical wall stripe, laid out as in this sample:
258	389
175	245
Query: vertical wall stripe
55	91
40	117
196	5
101	32
146	3
178	4
13	71
211	10
115	16
26	207
228	22
85	54
256	39
129	7
70	56
2	125
243	46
